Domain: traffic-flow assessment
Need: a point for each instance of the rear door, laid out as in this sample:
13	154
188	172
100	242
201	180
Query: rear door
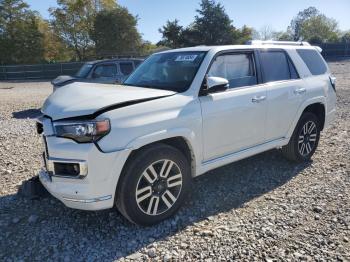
285	91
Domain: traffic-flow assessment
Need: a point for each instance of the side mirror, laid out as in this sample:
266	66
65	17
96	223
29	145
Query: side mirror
216	84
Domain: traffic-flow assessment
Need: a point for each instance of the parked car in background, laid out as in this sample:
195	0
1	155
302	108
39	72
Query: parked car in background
109	71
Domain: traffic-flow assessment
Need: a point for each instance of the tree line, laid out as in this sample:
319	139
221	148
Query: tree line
212	26
87	29
76	31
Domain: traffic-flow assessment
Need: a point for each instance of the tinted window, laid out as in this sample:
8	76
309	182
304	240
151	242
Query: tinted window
313	61
102	71
238	69
84	70
275	66
126	68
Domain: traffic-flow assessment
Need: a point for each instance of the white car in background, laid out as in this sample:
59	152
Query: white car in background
180	114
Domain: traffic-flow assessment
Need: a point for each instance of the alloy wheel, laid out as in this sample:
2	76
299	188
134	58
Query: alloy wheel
307	138
159	187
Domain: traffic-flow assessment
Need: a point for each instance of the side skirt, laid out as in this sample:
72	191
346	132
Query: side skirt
235	156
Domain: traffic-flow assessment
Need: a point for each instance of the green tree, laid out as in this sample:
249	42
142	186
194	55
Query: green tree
20	38
319	29
104	4
212	26
283	36
296	24
147	48
54	49
114	32
73	22
310	25
244	35
172	34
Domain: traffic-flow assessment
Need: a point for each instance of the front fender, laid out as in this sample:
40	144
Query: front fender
188	135
161	135
305	104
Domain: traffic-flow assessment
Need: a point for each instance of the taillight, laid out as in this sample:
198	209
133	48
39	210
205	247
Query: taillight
332	79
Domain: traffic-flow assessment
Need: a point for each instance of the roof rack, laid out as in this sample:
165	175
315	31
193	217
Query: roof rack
270	42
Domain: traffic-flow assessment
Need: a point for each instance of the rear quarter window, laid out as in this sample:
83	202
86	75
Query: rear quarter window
313	61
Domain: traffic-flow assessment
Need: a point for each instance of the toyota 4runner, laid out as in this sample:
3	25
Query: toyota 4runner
181	113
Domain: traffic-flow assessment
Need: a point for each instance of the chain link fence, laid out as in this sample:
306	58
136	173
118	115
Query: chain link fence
336	50
36	72
51	71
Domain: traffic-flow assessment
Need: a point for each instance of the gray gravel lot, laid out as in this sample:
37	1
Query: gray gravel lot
261	208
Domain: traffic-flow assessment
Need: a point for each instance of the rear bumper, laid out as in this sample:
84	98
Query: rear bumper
95	190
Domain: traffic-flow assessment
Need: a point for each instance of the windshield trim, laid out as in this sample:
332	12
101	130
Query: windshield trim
168	88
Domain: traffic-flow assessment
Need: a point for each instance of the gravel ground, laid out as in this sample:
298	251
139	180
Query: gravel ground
261	208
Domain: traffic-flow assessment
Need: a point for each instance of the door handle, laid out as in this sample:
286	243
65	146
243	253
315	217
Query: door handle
299	91
258	99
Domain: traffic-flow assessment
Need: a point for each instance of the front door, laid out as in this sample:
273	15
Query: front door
234	120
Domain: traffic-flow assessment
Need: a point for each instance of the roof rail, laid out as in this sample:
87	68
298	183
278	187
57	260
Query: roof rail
270	42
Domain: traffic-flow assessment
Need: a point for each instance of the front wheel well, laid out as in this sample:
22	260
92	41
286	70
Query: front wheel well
318	110
179	143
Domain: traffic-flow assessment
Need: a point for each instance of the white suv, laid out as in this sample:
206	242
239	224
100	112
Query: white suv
180	114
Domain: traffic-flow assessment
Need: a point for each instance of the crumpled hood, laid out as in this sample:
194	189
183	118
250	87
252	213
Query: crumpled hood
81	99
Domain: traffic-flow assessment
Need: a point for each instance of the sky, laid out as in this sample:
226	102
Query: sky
276	14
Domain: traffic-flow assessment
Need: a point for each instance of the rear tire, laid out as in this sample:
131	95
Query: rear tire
153	184
305	138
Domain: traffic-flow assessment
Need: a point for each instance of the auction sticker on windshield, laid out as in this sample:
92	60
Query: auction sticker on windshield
186	58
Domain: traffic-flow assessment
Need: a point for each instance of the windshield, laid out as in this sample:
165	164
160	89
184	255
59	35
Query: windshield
84	70
172	71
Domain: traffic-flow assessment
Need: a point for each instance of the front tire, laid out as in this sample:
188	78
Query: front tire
304	140
153	185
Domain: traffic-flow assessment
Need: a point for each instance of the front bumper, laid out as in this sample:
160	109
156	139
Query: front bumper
95	190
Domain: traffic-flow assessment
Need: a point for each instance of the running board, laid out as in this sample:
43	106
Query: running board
232	157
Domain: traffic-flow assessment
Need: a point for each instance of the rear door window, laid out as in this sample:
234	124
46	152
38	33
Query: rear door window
237	68
313	61
105	71
275	65
126	68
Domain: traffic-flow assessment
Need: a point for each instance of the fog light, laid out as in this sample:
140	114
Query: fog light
67	169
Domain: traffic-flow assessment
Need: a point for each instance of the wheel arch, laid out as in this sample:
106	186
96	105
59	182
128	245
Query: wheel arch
315	105
183	140
319	110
